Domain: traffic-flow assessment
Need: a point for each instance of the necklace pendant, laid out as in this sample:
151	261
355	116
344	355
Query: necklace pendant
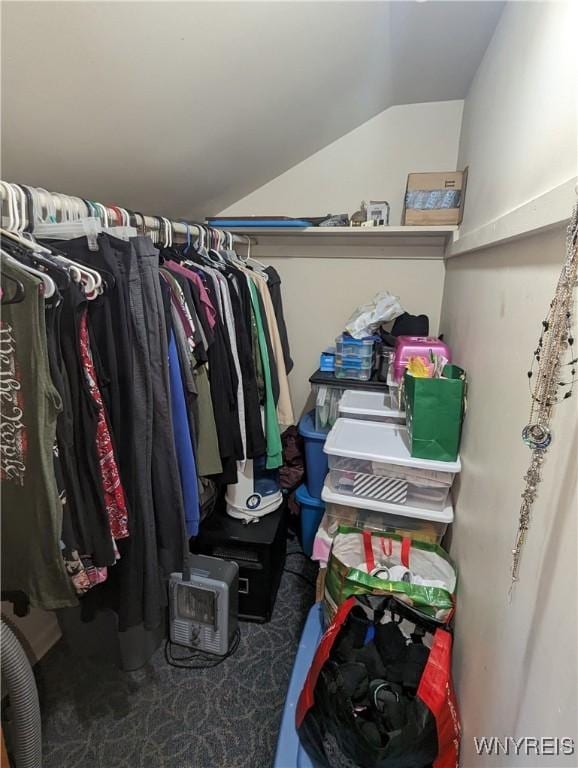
536	436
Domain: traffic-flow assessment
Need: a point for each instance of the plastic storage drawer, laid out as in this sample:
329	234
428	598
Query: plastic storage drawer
395	488
372	460
350	361
412	522
350	347
360	374
369	406
327	391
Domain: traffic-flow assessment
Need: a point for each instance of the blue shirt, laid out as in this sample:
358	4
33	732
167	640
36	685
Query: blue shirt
184	446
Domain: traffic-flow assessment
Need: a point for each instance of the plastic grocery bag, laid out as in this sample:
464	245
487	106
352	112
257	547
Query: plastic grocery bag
379	692
366	319
372	562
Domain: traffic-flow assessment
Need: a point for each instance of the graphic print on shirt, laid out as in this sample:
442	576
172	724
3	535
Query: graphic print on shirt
13	433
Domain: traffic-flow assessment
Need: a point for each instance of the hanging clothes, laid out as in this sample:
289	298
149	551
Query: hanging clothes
274	451
129	403
31	507
284	407
256	445
185	454
274	286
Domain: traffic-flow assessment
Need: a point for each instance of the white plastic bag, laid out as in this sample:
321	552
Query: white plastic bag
367	318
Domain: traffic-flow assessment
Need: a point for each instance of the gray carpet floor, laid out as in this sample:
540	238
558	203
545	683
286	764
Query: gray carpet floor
95	716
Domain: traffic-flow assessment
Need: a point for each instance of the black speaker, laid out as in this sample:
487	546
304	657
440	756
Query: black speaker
259	549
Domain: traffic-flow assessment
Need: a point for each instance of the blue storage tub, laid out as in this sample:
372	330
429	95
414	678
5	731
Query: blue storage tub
290	753
311	513
315	459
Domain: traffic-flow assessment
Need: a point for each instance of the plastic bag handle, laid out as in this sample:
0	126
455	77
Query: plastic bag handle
368	549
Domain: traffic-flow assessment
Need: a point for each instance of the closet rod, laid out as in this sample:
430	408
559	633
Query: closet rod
58	201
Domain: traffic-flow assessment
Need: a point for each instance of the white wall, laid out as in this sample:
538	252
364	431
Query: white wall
319	296
287	79
515	662
370	162
520	133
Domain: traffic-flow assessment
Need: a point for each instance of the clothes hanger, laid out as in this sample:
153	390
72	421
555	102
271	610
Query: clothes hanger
71	225
188	236
123	230
231	252
213	252
12	207
133	221
30	212
153	230
50	205
167	233
90	278
46	257
256	265
59	273
20	205
19	293
14	213
6	206
47	281
31	245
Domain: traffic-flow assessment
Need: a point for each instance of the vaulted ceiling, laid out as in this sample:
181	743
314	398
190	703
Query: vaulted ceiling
182	108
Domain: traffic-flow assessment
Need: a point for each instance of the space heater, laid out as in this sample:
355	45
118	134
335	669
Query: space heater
256	493
203	604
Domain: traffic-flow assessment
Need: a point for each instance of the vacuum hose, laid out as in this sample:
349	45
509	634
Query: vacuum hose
25	706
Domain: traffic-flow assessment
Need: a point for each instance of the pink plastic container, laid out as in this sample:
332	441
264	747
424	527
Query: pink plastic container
408	346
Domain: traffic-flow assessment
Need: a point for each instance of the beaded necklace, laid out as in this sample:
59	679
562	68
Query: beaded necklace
546	385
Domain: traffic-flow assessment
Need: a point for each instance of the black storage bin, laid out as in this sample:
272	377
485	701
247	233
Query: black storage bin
259	550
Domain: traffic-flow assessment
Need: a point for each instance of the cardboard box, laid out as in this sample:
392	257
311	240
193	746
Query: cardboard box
434	198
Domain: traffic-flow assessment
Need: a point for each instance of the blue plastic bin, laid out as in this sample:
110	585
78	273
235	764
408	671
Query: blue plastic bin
315	460
290	753
311	513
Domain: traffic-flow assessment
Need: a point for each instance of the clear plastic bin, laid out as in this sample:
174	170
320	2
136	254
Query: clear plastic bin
393	488
379	516
422	530
419	524
369	406
350	361
370	460
326	405
359	348
358	374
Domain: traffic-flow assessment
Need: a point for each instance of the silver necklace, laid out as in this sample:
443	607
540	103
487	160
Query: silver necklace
547	386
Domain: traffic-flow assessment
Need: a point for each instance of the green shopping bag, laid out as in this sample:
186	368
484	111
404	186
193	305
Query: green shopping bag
360	564
434	410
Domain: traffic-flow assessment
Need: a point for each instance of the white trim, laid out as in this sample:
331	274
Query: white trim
551	209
